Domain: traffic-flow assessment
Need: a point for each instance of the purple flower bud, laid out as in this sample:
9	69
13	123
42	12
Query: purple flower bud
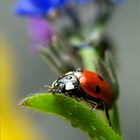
40	31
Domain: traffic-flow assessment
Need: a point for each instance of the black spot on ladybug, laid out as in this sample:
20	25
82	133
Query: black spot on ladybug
100	78
97	89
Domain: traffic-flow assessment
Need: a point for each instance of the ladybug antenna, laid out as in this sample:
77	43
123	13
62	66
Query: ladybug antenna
49	88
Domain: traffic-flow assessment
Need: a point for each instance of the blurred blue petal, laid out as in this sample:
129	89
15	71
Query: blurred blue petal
80	1
43	7
26	8
37	7
117	2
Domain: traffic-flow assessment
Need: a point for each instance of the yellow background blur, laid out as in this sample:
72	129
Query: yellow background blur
14	125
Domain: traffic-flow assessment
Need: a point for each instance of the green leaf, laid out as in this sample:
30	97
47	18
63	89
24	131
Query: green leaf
74	111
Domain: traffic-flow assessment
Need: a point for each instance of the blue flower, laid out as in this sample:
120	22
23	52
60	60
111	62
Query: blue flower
112	2
79	1
37	7
116	2
43	7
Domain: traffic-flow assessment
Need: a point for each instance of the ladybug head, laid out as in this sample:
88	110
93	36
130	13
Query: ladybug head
65	83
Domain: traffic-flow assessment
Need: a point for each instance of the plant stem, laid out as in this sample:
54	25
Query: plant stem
89	57
115	118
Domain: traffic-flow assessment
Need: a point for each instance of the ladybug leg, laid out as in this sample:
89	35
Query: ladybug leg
107	113
95	106
76	98
66	94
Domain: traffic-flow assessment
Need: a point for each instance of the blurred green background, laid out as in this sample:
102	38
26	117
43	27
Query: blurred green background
31	73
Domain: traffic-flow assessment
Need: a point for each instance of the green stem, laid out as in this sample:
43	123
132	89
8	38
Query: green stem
89	57
115	118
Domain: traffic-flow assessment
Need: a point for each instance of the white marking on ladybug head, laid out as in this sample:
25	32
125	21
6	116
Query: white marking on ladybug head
77	74
69	86
70	72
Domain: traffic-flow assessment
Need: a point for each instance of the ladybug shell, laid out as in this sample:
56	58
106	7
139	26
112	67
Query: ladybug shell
96	87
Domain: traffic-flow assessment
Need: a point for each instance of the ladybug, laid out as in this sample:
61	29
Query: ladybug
87	86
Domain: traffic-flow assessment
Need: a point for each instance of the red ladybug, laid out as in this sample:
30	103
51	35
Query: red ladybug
87	86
